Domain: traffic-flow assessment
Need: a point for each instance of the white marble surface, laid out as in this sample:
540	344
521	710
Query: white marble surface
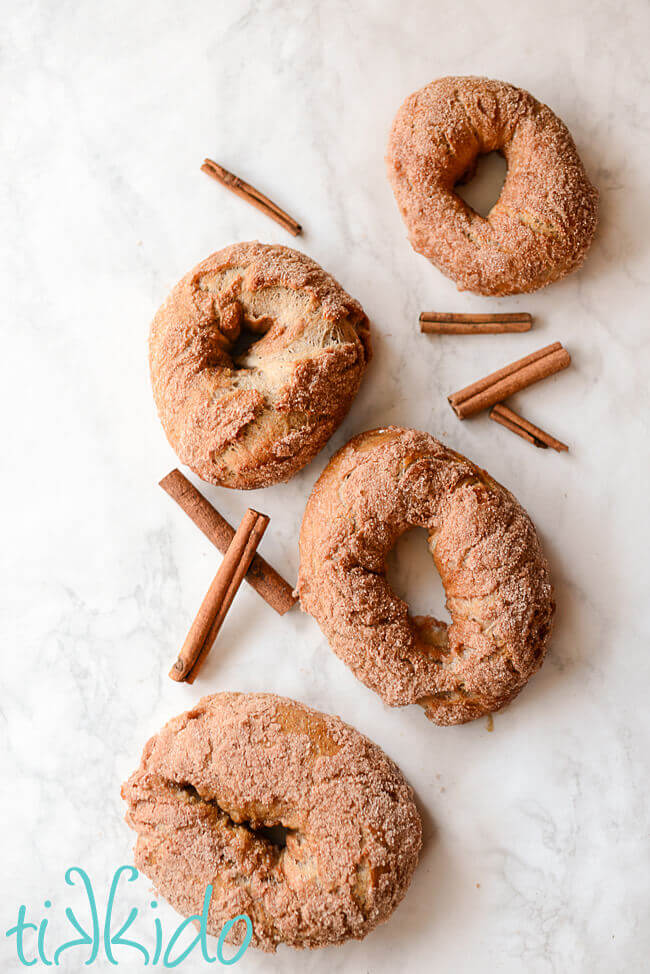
536	855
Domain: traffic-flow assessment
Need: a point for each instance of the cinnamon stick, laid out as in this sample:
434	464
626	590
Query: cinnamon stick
447	323
219	596
261	576
513	421
511	378
240	572
251	195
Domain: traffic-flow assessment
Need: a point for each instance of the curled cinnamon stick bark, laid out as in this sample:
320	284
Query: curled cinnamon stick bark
448	323
251	195
219	597
261	576
511	378
517	424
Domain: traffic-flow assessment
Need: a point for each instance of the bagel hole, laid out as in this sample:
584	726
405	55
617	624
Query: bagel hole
247	337
413	576
483	187
275	834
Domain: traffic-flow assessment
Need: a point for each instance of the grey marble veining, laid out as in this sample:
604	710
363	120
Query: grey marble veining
537	851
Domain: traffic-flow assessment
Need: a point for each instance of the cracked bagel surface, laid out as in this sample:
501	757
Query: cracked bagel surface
542	225
215	782
484	545
252	418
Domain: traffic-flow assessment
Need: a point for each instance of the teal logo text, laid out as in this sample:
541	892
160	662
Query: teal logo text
104	934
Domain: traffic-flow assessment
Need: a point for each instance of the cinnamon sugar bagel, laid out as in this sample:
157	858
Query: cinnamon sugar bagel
543	222
484	546
215	780
258	418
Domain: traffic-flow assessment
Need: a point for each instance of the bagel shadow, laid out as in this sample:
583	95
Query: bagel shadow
411	922
578	638
620	244
414	912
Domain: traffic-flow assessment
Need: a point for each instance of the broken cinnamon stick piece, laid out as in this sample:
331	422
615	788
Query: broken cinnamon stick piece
261	576
447	323
513	427
511	378
220	595
513	421
251	195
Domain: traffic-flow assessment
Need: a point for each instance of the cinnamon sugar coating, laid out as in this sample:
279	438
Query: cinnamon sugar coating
543	222
484	546
256	420
237	763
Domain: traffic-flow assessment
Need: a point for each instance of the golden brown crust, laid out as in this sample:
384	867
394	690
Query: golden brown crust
543	222
259	420
236	763
484	545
